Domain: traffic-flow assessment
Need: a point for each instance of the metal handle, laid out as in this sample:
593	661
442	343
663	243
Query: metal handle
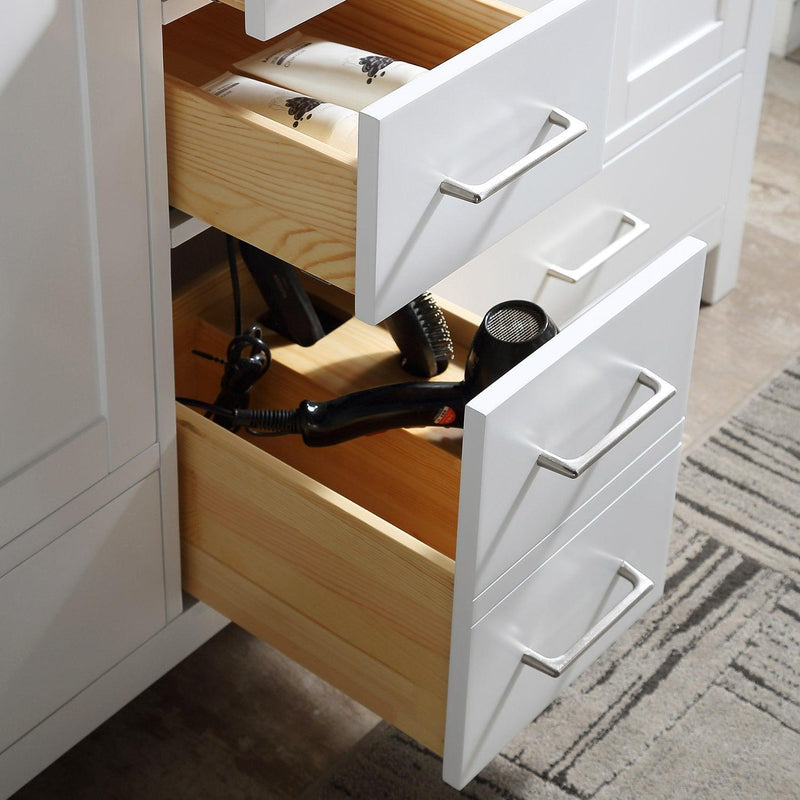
554	667
477	193
638	227
574	467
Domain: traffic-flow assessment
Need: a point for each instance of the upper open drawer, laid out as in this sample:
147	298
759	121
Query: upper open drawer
507	121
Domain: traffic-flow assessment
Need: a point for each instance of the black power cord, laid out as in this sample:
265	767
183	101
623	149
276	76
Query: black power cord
247	359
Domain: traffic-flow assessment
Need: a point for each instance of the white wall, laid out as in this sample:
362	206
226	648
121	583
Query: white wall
786	31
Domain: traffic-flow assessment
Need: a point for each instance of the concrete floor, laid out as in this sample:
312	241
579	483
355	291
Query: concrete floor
238	720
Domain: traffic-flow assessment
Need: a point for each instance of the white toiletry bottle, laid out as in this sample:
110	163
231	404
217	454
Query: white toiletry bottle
324	121
335	72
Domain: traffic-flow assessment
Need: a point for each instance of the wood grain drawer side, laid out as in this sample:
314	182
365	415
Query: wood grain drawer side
378	225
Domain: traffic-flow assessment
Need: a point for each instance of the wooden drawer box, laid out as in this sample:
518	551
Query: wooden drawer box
669	185
379	225
360	562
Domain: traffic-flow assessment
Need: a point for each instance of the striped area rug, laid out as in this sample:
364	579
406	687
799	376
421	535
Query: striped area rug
701	698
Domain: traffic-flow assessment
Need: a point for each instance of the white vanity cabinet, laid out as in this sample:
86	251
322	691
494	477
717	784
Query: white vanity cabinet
562	156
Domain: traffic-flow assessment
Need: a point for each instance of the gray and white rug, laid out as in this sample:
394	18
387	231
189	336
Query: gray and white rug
701	698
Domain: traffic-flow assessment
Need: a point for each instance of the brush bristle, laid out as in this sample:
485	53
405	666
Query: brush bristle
421	333
434	325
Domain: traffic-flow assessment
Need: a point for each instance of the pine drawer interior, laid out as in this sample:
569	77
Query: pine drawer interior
342	557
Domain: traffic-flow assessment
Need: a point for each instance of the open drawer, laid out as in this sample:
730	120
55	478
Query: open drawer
360	562
507	121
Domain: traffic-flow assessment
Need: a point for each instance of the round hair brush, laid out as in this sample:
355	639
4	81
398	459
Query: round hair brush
420	332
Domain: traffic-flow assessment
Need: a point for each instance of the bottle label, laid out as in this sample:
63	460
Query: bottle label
374	66
336	73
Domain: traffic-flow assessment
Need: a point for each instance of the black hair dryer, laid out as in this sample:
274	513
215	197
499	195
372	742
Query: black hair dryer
509	332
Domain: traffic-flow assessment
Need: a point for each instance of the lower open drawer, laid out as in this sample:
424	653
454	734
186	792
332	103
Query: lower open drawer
372	561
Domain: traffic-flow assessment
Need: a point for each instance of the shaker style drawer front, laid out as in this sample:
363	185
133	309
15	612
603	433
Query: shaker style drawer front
516	660
643	201
362	561
550	434
507	121
662	47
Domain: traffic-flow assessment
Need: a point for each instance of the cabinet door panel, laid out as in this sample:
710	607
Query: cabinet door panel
73	610
76	352
661	47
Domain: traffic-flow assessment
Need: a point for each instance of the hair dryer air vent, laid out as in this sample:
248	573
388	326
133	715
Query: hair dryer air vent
509	333
515	322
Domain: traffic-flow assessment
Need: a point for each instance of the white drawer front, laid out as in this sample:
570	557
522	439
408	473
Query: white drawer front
470	120
565	399
661	47
78	606
570	255
492	694
264	19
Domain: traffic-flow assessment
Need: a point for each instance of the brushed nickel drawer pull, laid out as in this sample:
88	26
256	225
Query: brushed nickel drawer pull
638	227
555	667
574	467
478	192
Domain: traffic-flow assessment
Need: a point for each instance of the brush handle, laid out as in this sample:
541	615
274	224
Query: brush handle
403	405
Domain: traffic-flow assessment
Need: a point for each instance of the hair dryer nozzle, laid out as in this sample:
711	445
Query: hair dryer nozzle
509	333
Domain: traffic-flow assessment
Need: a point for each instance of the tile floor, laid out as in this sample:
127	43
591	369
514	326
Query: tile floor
238	720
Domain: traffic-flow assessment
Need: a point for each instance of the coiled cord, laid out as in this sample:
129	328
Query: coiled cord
256	421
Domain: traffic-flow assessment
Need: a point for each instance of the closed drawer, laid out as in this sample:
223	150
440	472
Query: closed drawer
642	202
579	593
78	606
379	225
663	47
365	560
